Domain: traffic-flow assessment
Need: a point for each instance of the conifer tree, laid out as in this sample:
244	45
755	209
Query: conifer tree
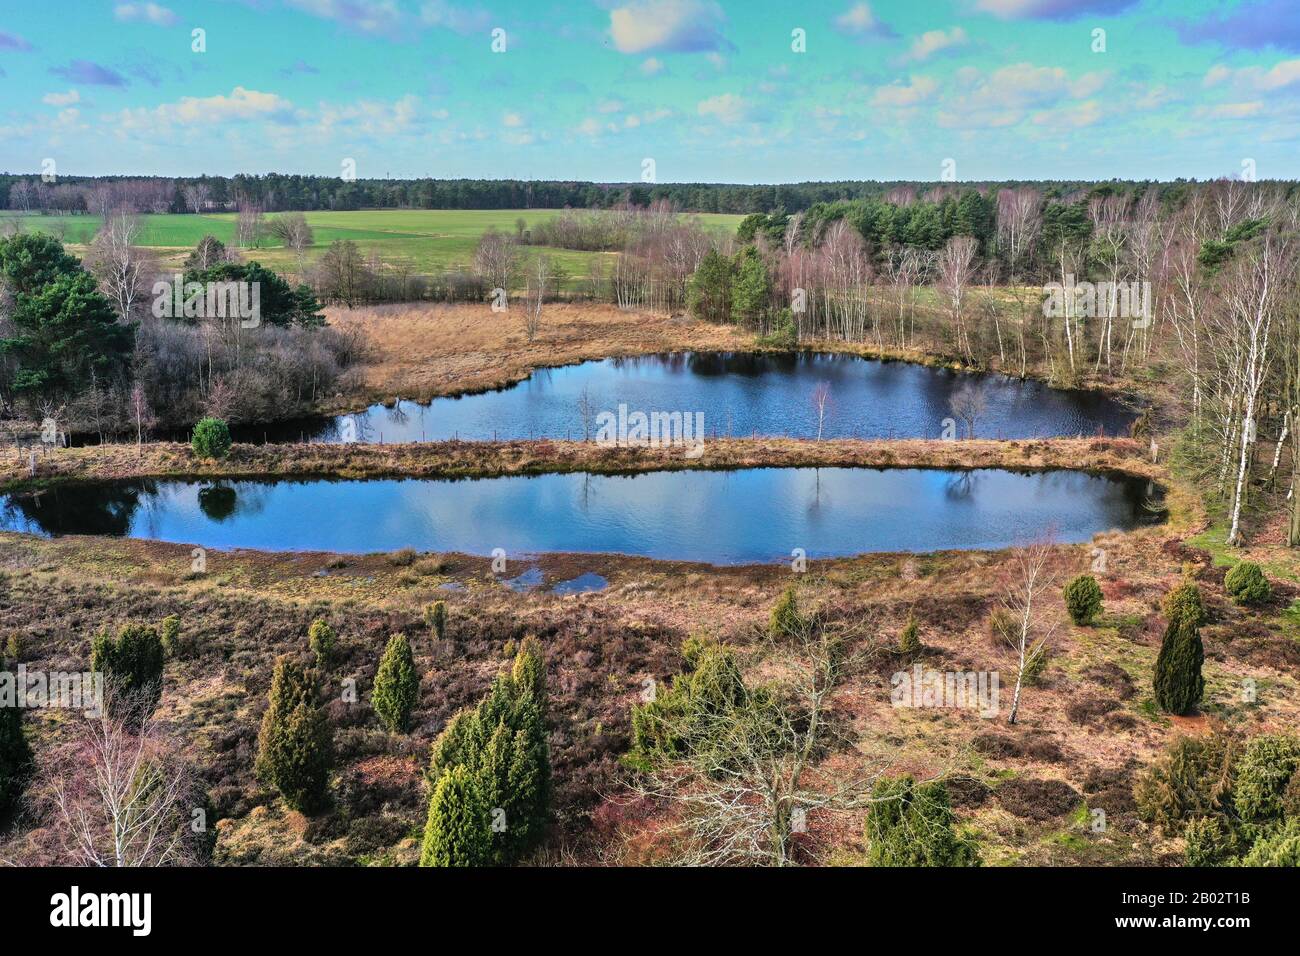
397	685
458	830
295	749
1179	684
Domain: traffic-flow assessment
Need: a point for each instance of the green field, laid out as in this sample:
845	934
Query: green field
427	240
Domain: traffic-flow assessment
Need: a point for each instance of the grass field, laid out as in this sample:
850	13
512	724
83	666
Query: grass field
429	240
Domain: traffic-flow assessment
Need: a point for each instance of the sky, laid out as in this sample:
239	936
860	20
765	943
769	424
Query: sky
681	90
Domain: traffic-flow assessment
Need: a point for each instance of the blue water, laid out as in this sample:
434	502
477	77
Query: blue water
740	394
720	517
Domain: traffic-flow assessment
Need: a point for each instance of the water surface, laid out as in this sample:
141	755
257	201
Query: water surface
740	394
720	517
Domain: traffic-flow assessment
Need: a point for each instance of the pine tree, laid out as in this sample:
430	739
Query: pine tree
1179	684
1083	599
322	641
785	619
397	685
458	830
909	641
435	616
295	750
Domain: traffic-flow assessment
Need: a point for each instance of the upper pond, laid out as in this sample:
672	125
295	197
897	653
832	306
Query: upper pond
739	394
719	517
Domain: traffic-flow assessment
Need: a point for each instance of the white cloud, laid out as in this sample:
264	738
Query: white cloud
681	26
916	90
859	20
1235	110
462	20
652	66
936	41
1281	75
609	106
62	99
726	107
145	12
364	16
241	104
514	120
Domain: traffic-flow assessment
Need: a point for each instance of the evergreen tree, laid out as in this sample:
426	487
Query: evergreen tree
458	830
322	640
913	825
132	664
751	287
397	685
15	754
909	641
708	292
295	750
785	618
1179	684
1083	599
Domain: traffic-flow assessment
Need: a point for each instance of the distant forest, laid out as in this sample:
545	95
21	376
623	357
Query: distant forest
274	192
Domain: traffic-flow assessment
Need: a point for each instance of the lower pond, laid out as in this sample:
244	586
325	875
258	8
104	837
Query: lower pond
718	517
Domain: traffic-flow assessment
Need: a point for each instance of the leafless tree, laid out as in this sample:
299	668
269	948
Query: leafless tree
497	259
118	795
586	411
821	397
741	783
196	197
293	230
956	269
141	412
250	223
1026	601
967	404
540	281
125	272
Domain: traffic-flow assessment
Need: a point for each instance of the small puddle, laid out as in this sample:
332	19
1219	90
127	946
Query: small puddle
582	584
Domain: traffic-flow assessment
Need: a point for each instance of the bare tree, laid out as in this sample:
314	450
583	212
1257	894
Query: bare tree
967	404
586	411
540	279
821	397
118	795
141	412
250	224
497	259
956	269
196	196
125	273
1032	579
748	774
293	230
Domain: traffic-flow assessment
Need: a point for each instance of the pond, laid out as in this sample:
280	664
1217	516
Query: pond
739	395
718	517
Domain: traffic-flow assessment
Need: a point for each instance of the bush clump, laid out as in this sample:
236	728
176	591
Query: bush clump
909	641
132	665
322	640
1267	765
1193	778
211	438
457	831
169	632
1179	684
295	746
435	618
913	825
1209	842
785	619
1083	599
1247	584
397	685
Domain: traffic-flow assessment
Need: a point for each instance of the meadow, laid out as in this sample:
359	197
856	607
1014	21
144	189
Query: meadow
427	240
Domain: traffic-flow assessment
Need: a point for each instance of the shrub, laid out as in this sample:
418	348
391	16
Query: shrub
14	649
913	825
1291	797
322	640
211	438
1035	665
435	618
1179	684
710	686
1267	765
1247	584
1193	778
1209	842
785	619
295	748
502	746
397	685
132	665
403	558
15	756
170	634
458	829
1003	626
909	641
1277	847
1083	599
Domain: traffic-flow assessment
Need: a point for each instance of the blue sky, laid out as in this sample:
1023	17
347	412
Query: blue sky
711	91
